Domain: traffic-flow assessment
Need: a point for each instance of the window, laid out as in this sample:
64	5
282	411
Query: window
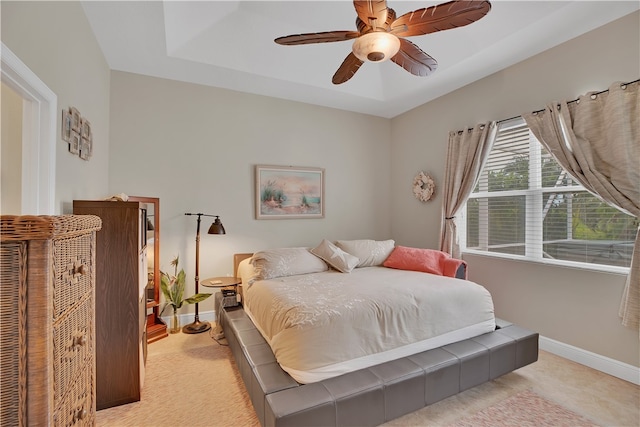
526	205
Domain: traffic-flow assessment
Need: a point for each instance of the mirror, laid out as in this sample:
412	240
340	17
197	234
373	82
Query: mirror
156	328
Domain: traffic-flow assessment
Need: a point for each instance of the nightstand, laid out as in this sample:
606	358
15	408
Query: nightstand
223	282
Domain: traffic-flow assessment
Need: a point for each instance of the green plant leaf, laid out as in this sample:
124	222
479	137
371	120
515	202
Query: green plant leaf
173	288
164	286
197	298
176	299
180	284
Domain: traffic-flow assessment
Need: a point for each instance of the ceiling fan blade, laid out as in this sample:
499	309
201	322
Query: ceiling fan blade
414	60
372	12
441	17
324	37
349	66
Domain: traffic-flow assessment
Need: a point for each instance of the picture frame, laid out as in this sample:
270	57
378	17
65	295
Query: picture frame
65	127
86	147
76	119
289	192
74	142
85	128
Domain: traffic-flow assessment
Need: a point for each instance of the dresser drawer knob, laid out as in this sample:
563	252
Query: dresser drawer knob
79	270
80	340
81	414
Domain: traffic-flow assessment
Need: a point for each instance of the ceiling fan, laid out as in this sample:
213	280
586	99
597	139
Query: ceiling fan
380	34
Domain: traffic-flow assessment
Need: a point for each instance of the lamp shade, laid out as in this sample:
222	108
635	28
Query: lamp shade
377	46
216	227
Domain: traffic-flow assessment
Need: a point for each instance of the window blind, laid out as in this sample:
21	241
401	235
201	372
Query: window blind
526	205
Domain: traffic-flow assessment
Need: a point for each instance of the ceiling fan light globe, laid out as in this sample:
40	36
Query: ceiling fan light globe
377	46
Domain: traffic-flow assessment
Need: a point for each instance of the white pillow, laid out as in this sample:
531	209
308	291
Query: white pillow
370	252
335	257
282	262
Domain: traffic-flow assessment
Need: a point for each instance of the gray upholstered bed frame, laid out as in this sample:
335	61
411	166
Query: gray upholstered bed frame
373	395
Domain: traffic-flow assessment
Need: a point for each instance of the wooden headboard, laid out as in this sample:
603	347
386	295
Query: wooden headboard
237	258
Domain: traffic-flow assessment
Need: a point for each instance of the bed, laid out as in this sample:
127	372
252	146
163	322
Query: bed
321	337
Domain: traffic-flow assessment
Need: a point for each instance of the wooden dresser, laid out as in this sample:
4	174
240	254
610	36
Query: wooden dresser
121	316
47	335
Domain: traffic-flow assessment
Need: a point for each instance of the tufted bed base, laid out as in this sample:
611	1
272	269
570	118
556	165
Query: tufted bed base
377	394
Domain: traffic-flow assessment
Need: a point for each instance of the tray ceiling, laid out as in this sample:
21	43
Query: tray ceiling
229	44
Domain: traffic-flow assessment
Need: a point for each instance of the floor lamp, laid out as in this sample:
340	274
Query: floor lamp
216	228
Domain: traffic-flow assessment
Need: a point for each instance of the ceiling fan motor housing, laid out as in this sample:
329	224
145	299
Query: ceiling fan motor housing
376	46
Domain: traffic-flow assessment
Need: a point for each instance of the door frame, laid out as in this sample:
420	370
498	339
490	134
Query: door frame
39	124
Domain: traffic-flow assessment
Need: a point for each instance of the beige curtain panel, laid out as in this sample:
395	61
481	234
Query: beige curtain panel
467	154
597	140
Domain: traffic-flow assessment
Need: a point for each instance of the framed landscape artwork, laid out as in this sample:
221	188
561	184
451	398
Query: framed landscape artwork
289	192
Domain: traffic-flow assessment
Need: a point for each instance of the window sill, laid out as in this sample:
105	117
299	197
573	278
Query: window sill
623	271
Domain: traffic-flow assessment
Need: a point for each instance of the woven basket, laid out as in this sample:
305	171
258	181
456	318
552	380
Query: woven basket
13	337
46	268
31	227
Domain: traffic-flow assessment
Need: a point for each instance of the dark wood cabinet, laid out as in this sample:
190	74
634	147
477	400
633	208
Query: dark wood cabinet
121	281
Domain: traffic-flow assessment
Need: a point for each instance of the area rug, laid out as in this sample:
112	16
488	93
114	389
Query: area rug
525	409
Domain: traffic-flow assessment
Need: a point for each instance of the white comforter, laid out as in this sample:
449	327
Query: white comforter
325	324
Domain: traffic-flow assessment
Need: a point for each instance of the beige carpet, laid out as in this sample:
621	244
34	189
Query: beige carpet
190	381
193	381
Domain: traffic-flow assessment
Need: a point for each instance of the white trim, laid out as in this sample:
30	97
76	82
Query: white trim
601	363
185	319
554	262
39	124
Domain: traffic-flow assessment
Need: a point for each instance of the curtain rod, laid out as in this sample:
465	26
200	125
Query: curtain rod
570	102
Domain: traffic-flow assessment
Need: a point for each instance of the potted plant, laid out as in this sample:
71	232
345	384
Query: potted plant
173	291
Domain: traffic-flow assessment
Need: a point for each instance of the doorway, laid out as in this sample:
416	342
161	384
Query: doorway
11	152
38	134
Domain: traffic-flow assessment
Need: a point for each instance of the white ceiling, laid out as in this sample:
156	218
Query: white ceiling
229	44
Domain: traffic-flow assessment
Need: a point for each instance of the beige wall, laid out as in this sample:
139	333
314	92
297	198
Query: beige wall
55	41
11	152
195	148
572	306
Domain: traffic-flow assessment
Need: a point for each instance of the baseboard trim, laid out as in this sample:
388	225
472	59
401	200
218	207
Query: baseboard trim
185	319
601	363
598	362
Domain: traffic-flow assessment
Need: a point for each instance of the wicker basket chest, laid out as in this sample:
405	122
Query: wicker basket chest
47	302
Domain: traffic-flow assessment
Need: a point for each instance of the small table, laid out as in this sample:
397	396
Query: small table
220	282
223	282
